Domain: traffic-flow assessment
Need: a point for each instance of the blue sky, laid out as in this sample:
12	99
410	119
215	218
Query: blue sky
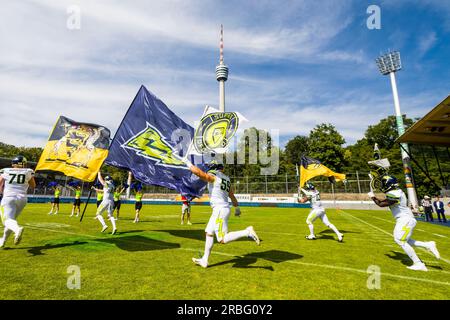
293	64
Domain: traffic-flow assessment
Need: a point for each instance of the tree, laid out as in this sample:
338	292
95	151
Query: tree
295	148
325	145
9	151
385	132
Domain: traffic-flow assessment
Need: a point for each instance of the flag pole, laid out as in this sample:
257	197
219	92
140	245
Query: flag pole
87	202
90	193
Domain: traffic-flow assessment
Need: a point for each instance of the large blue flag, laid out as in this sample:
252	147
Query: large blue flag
151	142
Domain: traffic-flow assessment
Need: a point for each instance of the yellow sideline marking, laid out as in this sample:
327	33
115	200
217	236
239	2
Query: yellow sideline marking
276	260
390	235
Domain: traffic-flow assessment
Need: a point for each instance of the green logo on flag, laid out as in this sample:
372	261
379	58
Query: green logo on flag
150	144
215	131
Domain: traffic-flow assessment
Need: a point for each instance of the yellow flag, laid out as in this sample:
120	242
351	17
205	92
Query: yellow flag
75	149
311	168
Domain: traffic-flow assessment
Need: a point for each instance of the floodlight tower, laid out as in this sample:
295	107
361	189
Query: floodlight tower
388	64
221	74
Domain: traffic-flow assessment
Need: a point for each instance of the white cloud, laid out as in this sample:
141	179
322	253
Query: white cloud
426	42
92	74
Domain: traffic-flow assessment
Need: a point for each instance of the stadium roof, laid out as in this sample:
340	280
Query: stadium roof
433	129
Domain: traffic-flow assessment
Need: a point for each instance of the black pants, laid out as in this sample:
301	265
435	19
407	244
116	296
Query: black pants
439	213
429	213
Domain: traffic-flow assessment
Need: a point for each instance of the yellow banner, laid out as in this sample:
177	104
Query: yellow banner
75	149
314	170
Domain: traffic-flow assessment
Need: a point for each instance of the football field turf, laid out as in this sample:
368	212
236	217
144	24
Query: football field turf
152	259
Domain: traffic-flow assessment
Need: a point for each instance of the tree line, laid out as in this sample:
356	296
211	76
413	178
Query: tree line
325	144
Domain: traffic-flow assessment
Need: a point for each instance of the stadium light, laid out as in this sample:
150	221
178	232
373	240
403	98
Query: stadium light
388	64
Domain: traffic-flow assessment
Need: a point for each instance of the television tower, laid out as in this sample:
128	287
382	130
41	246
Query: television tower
221	74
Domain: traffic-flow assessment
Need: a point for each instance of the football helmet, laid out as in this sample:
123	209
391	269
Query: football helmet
19	160
215	166
309	186
388	183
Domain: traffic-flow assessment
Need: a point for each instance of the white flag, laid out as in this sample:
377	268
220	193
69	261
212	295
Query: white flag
215	131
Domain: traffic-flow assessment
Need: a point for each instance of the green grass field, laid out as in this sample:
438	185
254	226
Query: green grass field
152	259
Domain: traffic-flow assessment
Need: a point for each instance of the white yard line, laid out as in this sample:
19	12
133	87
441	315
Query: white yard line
440	235
389	234
341	268
416	229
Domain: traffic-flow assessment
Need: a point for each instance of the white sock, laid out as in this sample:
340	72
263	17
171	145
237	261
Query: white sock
311	229
419	243
113	221
231	236
102	221
209	242
332	227
12	225
411	253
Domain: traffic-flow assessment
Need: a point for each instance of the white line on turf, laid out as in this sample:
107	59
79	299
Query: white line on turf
389	234
416	229
341	268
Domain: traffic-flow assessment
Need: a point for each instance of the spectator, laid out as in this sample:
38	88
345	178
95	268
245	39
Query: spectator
428	208
439	208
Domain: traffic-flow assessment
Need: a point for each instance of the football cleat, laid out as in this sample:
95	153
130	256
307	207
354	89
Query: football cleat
434	250
114	231
2	243
200	262
310	237
189	223
253	235
104	228
420	266
340	237
18	236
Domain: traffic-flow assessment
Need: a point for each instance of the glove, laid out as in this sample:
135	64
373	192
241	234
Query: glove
371	194
237	212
